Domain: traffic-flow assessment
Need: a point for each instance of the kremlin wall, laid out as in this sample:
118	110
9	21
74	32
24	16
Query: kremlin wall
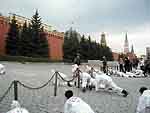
55	39
4	26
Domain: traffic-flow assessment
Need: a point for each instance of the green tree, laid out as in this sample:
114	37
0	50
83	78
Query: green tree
106	51
71	44
83	48
39	41
89	48
12	39
25	40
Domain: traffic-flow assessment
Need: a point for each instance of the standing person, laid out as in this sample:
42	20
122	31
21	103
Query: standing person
77	60
104	64
135	62
147	67
130	65
121	63
127	64
141	64
144	101
75	104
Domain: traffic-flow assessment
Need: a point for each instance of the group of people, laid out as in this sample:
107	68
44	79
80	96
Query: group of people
97	79
126	65
75	104
91	78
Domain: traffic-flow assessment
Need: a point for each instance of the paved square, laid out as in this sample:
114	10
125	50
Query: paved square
43	101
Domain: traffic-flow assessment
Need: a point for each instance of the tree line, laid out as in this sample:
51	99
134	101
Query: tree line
88	50
27	40
30	40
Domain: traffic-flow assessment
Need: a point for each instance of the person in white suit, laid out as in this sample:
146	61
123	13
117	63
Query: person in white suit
16	108
84	77
144	101
2	69
75	104
105	82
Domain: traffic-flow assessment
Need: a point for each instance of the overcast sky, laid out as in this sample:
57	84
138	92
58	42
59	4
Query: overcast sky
91	17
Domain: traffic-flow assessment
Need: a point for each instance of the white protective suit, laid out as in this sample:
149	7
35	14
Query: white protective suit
104	81
138	72
121	74
144	102
2	69
77	105
16	108
84	76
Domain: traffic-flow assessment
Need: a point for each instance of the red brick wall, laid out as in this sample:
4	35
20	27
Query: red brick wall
55	41
4	26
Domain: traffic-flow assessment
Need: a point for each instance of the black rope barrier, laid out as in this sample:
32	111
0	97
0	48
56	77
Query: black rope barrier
36	88
65	79
70	79
6	92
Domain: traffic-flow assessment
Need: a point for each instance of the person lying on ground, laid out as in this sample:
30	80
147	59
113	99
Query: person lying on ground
105	82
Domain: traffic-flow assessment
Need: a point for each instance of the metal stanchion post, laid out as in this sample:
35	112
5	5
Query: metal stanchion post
78	74
15	90
55	87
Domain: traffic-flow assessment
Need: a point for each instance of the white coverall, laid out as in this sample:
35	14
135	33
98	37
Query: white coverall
77	105
2	69
15	108
104	81
85	77
144	103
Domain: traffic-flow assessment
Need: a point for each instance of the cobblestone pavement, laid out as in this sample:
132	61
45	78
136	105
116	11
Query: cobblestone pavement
43	101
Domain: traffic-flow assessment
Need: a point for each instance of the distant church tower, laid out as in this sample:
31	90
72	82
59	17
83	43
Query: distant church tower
126	45
103	40
132	49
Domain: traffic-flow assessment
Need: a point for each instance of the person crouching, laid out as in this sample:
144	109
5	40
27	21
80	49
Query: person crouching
105	82
75	104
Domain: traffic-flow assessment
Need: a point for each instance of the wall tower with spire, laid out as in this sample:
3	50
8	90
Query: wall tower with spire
126	45
132	49
103	40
